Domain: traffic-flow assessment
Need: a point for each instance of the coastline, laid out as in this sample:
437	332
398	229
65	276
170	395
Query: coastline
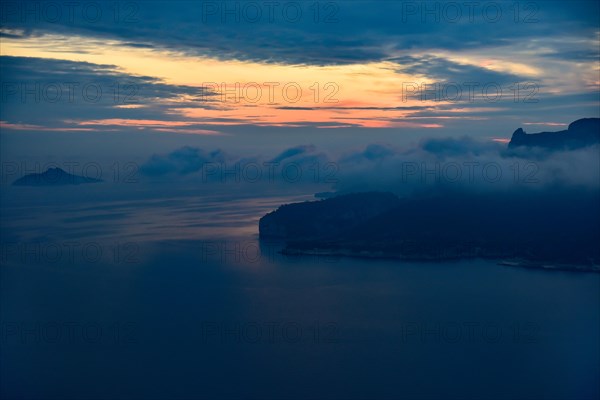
506	261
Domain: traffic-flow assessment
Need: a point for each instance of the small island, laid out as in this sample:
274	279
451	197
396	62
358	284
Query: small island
54	177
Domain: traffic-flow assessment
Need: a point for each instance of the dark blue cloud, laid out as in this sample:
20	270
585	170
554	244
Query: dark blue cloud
372	152
291	152
458	146
47	92
445	71
321	33
183	161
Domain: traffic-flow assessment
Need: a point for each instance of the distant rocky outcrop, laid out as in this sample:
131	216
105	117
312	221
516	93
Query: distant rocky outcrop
545	227
53	177
581	133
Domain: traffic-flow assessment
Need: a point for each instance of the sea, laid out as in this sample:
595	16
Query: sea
137	291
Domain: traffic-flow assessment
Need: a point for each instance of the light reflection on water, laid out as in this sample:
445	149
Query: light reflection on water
67	215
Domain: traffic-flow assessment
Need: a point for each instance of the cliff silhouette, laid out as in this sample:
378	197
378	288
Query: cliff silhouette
581	133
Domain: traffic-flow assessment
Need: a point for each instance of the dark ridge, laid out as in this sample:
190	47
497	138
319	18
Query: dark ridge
539	226
324	218
581	133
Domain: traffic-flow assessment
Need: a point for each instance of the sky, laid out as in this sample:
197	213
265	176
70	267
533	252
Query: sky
253	75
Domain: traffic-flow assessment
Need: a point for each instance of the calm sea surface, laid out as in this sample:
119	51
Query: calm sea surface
140	294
